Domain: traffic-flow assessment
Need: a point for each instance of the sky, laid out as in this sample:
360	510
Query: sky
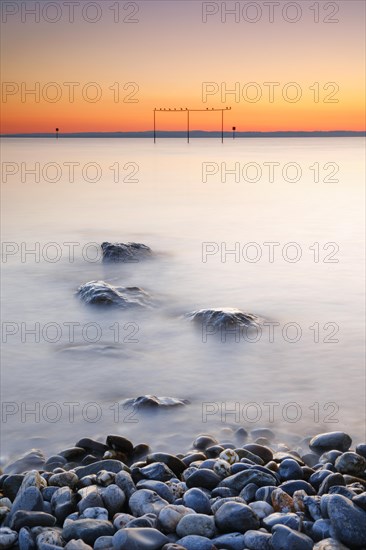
104	66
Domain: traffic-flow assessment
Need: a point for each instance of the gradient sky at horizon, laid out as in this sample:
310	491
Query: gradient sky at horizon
170	52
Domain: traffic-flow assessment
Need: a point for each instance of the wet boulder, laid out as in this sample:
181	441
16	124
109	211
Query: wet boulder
103	294
125	252
224	318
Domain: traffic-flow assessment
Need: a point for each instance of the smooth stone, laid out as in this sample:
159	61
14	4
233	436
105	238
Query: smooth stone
330	544
125	482
157	471
230	541
350	463
341	490
68	479
249	492
25	539
119	443
11	485
360	500
32	460
261	508
23	518
197	500
104	543
109	465
265	493
310	459
204	478
290	470
321	529
140	538
77	545
8	538
33	479
91	446
193	457
331	481
174	463
262	451
361	449
170	516
73	453
195	542
203	441
30	500
121	520
48	536
87	529
348	521
317	478
256	540
214	451
63	503
280	518
241	435
94	513
159	487
218	502
145	501
262	432
291	486
236	517
245	453
148	520
238	481
284	538
48	492
331	441
196	524
313	506
330	457
92	500
113	498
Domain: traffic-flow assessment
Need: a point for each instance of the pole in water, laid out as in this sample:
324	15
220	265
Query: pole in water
57	131
187	125
234	129
222	126
154	125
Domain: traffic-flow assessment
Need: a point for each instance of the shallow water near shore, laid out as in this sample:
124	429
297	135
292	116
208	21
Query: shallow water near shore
306	377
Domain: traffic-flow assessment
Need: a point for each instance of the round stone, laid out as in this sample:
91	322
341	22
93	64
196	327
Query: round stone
197	500
351	463
144	538
8	538
330	441
236	517
348	521
196	524
284	538
170	516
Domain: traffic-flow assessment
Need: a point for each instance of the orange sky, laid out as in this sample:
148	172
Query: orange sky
169	54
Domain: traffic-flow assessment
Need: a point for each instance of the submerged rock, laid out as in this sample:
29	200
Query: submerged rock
147	401
224	318
125	252
32	460
104	294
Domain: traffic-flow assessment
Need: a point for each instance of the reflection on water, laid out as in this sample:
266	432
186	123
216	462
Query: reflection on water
86	361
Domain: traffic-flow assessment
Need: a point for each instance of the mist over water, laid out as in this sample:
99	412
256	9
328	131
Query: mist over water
160	199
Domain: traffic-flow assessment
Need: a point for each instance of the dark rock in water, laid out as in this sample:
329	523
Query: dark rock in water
203	441
34	460
125	252
152	401
89	445
234	517
262	451
87	530
103	294
224	318
284	538
348	521
119	443
332	441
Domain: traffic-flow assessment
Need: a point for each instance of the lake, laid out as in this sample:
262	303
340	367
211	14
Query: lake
274	227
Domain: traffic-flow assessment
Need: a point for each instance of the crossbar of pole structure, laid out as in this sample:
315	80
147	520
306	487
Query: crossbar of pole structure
188	111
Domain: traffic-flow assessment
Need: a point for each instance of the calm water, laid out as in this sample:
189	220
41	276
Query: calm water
159	198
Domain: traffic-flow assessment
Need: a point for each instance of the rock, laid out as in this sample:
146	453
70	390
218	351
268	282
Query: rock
109	465
92	500
249	492
8	538
196	524
298	485
33	479
119	443
281	501
196	542
26	540
204	478
321	529
351	463
125	482
261	508
146	502
338	441
238	481
47	536
289	470
157	471
229	455
33	460
330	544
361	449
152	401
103	294
348	521
94	513
360	500
148	520
69	479
174	463
63	503
77	545
104	543
88	530
262	451
159	487
170	516
256	540
90	445
282	518
11	485
113	498
29	500
121	520
236	517
140	538
284	538
331	481
197	500
224	318
125	252
22	518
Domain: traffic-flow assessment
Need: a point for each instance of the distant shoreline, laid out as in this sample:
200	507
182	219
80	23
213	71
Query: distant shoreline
193	134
